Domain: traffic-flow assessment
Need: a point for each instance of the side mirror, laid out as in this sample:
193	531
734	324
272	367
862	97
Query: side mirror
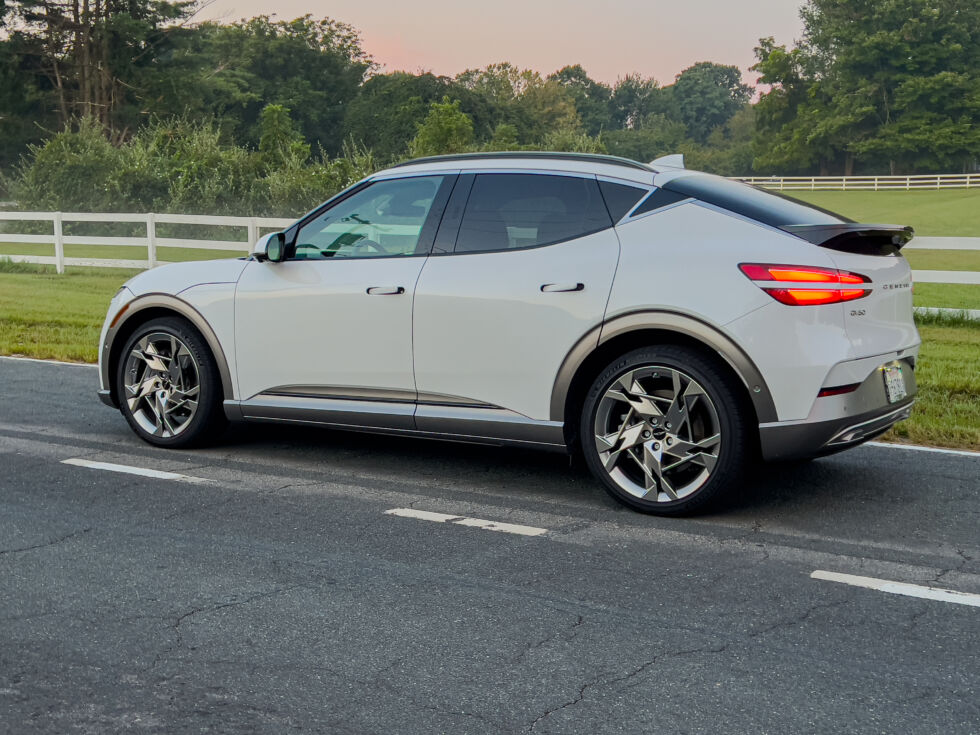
271	247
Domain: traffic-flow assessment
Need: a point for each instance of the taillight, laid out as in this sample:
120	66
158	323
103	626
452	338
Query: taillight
806	279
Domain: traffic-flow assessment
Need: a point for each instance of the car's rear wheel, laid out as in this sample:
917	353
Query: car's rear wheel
662	430
168	384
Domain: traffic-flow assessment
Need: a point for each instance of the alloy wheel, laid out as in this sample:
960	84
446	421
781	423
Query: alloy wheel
657	433
162	384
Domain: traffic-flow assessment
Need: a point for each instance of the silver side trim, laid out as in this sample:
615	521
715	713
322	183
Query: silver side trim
354	393
452	422
490	423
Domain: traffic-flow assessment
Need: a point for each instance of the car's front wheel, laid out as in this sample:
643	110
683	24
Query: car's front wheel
662	430
168	384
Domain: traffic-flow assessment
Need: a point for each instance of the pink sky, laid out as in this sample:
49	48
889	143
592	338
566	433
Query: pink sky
610	38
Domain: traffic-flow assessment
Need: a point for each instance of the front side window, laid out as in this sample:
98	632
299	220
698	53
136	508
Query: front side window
383	220
514	211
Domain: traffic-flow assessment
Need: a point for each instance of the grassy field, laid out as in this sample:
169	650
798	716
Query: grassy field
947	295
943	260
50	316
940	213
117	252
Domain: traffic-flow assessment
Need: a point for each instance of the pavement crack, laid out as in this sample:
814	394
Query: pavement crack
562	633
796	619
53	542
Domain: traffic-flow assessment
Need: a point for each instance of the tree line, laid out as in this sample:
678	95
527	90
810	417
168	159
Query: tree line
129	104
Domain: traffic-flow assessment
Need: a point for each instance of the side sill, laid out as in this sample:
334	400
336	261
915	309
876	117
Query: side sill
469	424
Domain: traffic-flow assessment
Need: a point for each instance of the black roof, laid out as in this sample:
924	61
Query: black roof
546	155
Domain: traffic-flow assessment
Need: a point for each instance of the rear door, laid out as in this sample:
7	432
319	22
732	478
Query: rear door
521	270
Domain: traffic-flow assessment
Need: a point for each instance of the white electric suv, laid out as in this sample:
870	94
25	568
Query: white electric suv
669	325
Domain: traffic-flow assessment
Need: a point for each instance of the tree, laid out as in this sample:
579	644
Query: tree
446	129
92	53
632	99
279	140
706	95
884	84
389	108
591	98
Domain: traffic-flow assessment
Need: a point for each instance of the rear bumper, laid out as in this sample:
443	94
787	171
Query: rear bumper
840	422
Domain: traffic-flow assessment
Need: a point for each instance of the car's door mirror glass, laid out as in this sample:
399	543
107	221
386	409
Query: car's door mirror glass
275	250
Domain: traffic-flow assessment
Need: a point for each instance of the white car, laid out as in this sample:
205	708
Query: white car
669	325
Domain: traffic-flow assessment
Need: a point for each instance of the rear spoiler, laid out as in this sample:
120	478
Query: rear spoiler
852	237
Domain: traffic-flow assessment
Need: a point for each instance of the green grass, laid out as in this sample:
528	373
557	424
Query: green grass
947	295
948	409
46	315
117	252
943	260
940	213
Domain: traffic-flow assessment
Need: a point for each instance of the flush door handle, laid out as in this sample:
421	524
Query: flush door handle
557	287
385	290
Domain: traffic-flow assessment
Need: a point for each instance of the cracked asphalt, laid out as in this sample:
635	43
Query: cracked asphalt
279	597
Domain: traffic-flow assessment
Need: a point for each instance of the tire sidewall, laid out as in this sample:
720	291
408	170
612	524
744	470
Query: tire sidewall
729	468
210	383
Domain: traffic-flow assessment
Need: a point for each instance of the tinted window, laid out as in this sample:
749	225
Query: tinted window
620	198
512	211
757	204
659	198
384	219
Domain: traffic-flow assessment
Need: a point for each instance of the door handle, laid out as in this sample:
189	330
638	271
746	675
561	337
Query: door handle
385	290
555	287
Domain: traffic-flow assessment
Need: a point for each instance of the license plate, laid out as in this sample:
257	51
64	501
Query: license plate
894	383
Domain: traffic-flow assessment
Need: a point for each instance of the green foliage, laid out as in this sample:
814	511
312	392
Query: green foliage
446	129
706	96
279	141
177	165
876	85
656	136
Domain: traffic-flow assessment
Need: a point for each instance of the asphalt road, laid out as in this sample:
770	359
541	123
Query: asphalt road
279	596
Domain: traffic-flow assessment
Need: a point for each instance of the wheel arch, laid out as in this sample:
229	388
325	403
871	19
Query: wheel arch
626	332
152	306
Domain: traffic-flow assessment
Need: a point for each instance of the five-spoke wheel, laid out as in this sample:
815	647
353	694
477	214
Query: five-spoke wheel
662	431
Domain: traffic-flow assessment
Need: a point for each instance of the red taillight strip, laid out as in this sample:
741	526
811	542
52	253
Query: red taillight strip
838	390
807	274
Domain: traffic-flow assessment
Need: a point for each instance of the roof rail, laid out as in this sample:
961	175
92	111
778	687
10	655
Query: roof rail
546	155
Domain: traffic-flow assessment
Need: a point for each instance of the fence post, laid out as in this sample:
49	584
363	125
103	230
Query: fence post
908	183
59	244
253	232
151	240
876	183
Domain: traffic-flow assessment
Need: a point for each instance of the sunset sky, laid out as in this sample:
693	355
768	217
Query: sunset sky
609	38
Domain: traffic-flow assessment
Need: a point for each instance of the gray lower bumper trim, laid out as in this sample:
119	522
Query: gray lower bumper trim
812	439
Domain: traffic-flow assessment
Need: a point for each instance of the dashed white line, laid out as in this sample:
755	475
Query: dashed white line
900	588
918	448
130	470
425	515
17	358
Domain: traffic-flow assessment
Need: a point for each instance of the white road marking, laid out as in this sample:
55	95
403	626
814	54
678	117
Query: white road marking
900	588
130	470
918	448
17	358
426	515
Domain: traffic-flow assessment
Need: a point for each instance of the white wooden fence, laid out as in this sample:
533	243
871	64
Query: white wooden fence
864	183
150	242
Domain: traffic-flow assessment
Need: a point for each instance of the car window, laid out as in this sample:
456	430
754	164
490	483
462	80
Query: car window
383	220
620	198
513	211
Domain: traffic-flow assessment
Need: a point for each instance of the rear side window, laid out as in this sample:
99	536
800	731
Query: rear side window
620	198
514	211
749	201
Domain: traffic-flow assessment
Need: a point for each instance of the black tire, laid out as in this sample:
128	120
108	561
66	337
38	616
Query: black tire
208	419
723	415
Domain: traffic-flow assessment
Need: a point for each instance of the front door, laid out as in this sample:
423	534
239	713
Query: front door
334	320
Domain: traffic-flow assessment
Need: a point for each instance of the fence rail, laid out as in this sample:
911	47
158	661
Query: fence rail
864	183
57	238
